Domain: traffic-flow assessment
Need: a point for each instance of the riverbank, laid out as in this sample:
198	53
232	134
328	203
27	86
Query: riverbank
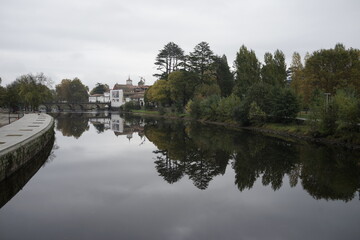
22	140
291	132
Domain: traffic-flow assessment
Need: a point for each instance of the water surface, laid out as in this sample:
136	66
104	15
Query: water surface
112	177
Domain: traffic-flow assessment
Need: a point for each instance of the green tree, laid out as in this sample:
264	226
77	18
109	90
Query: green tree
72	91
260	93
100	89
226	106
297	78
332	69
201	60
159	93
284	104
12	98
169	59
224	77
210	88
182	86
274	70
28	91
209	107
280	66
247	69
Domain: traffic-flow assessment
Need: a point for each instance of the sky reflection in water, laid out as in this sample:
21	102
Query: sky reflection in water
153	179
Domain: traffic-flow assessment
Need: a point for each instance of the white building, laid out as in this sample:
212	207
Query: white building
100	98
116	98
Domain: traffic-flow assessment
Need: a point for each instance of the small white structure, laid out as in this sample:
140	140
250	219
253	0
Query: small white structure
116	98
100	98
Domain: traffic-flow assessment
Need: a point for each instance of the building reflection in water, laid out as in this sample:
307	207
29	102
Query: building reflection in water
119	125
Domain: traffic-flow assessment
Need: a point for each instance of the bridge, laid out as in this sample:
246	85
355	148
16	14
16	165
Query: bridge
78	106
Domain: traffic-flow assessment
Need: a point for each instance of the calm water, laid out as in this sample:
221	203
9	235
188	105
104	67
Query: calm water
133	178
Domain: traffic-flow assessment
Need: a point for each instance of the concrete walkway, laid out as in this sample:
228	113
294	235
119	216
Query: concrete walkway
22	130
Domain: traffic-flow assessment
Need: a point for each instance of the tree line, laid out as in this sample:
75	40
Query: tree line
326	83
28	91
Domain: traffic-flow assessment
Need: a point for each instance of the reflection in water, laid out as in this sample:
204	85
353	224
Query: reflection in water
203	152
71	124
118	124
12	185
190	179
330	174
179	155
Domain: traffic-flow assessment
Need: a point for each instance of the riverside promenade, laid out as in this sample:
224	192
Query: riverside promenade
22	140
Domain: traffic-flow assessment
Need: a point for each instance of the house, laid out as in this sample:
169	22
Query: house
122	93
100	98
133	92
116	98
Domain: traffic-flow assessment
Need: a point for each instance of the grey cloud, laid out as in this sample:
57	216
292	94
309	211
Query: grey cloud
111	39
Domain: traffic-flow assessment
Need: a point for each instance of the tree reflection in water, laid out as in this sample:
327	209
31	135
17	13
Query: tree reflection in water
179	155
203	152
72	125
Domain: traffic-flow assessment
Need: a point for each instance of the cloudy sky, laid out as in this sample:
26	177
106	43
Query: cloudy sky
108	40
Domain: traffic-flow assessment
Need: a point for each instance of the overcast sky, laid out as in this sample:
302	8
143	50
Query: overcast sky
108	40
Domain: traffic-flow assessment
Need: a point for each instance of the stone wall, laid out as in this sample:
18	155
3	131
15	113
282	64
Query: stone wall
10	186
20	154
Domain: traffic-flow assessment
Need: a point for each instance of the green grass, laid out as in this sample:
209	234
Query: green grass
146	112
289	128
303	114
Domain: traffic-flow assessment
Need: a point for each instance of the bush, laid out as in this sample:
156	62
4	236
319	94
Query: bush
161	110
323	116
256	115
132	105
193	107
226	107
348	110
284	105
209	107
259	93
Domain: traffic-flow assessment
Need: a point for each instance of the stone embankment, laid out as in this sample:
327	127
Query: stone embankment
21	140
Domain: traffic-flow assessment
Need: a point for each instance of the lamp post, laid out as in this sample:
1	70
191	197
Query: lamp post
327	99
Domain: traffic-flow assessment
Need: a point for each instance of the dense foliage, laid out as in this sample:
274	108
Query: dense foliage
27	92
72	91
100	89
207	89
327	85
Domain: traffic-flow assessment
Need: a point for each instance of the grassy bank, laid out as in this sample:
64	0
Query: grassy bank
146	112
158	114
291	128
293	131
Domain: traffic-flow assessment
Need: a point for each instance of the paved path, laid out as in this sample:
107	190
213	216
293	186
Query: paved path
23	129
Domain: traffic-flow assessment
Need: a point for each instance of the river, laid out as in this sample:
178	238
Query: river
128	177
